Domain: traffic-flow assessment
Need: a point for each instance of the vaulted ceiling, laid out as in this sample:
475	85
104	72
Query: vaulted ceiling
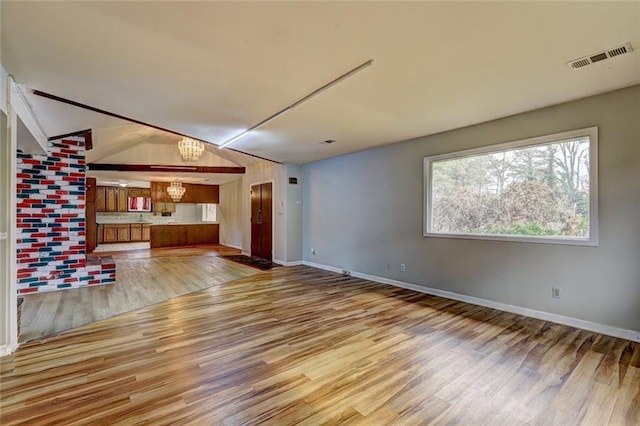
214	69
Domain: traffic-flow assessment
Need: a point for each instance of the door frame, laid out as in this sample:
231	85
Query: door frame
273	222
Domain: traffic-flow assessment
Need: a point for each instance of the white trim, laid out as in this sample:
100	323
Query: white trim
8	349
533	313
231	245
21	107
590	241
283	263
246	253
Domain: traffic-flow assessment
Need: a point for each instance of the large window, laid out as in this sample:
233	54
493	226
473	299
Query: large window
538	190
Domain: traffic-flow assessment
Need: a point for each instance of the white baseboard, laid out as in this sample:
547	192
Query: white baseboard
8	349
245	253
533	313
284	263
231	245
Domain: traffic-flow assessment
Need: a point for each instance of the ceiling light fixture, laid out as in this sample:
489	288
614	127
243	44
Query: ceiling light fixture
299	102
176	191
190	149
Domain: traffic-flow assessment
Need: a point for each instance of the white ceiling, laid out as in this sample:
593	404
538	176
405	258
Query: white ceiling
213	69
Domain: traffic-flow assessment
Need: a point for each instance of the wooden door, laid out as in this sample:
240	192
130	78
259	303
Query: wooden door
90	214
261	220
101	199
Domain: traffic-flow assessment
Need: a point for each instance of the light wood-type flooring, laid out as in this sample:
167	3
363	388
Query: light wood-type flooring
143	277
303	346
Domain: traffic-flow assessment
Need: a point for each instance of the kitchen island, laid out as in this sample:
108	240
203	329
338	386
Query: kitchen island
184	234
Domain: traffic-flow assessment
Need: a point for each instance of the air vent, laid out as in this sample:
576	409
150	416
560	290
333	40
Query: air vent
600	56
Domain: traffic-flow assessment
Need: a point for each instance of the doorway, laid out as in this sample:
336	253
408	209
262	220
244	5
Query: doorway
261	220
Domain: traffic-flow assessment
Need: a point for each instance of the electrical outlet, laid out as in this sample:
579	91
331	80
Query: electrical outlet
313	251
388	265
403	267
555	292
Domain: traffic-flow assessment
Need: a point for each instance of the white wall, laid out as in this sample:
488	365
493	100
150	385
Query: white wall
230	214
364	210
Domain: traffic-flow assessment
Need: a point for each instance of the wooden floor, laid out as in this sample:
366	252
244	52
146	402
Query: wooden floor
144	277
303	346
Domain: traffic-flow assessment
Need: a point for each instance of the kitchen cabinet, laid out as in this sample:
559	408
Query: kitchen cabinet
194	193
124	233
116	199
140	192
146	232
110	233
136	232
101	199
111	195
100	234
122	198
184	235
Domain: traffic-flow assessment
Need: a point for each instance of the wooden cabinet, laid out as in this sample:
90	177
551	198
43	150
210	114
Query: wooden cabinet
116	199
163	207
184	235
101	199
111	195
110	233
124	233
100	234
194	193
140	192
200	193
136	232
122	200
146	232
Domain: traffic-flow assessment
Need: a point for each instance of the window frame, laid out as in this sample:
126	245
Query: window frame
591	240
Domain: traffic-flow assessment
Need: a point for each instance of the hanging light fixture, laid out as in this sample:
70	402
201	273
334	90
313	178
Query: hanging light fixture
190	149
176	191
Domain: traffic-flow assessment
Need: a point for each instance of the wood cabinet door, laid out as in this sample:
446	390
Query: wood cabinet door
101	199
110	233
100	234
146	232
124	233
136	232
111	196
123	199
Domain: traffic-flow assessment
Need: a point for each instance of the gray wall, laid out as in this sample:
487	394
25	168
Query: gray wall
294	213
364	210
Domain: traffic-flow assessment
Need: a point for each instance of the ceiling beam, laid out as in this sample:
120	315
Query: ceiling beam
163	169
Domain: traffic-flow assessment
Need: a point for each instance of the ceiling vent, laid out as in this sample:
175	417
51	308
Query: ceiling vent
600	56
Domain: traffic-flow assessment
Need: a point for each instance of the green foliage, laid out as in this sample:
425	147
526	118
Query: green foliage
538	190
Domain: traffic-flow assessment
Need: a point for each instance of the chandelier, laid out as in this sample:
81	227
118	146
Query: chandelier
176	191
190	149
